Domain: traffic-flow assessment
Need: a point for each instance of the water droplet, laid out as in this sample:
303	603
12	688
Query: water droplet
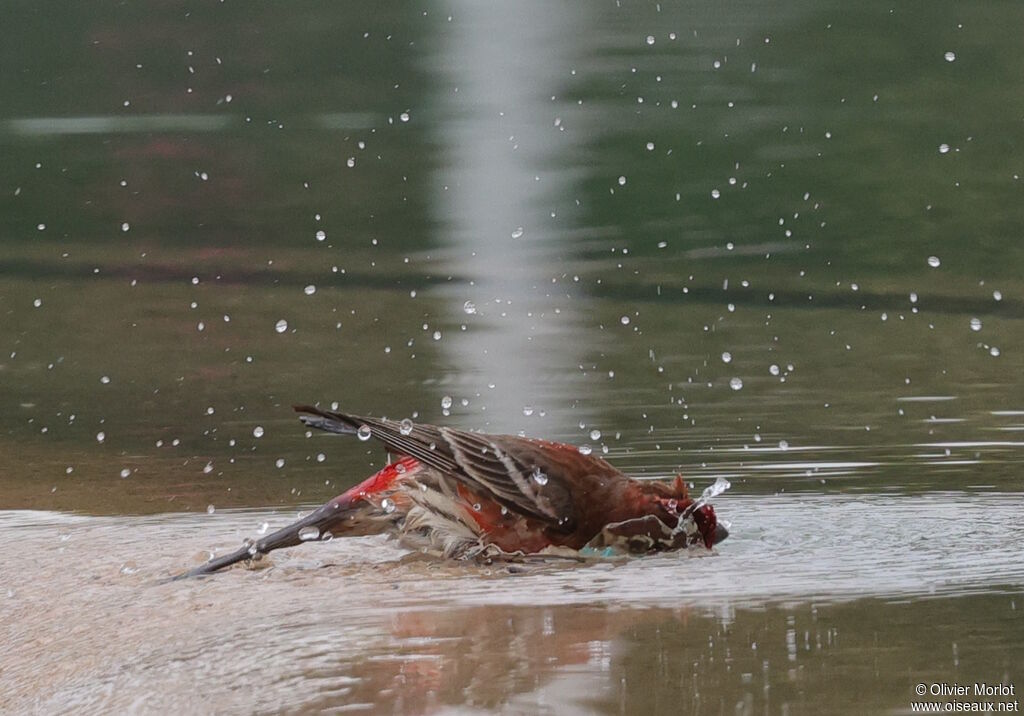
208	468
595	434
624	320
715	489
736	383
105	379
446	402
309	290
585	449
101	436
783	445
125	226
715	193
934	261
975	324
951	57
622	181
257	432
38	302
527	410
943	149
517	233
650	39
364	433
469	308
351	162
279	463
997	295
539	476
321	235
727	357
320	457
404	116
308	533
210	509
993	351
388	505
125	472
262	529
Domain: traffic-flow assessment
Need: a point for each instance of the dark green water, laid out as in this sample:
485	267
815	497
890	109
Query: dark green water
778	242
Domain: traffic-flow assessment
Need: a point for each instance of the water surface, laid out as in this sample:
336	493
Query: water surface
777	243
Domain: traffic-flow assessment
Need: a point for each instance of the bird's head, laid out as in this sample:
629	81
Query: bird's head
710	531
675	500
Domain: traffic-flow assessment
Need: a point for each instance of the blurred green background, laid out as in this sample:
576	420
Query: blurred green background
706	231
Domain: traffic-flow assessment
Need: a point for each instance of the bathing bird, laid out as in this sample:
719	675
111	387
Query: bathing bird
472	496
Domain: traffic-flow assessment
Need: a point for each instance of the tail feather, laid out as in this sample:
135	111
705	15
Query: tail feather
357	511
254	549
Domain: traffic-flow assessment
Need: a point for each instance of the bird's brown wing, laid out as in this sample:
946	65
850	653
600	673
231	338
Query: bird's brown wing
527	476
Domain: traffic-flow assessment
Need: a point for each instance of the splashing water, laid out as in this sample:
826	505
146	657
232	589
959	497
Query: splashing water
686	522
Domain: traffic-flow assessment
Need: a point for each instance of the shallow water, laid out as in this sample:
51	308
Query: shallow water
776	243
793	601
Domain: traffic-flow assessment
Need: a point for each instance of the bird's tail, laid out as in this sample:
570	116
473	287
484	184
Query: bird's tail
371	507
311	527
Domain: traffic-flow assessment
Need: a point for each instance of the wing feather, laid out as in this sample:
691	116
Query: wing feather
514	471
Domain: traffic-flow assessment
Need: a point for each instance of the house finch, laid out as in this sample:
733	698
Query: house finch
467	495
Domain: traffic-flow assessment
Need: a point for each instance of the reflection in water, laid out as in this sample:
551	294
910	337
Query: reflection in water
500	193
50	126
169	123
778	620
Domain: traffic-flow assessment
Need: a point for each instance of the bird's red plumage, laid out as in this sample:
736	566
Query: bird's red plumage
470	495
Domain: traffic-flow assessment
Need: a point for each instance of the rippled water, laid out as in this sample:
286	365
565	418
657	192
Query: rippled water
777	244
93	625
